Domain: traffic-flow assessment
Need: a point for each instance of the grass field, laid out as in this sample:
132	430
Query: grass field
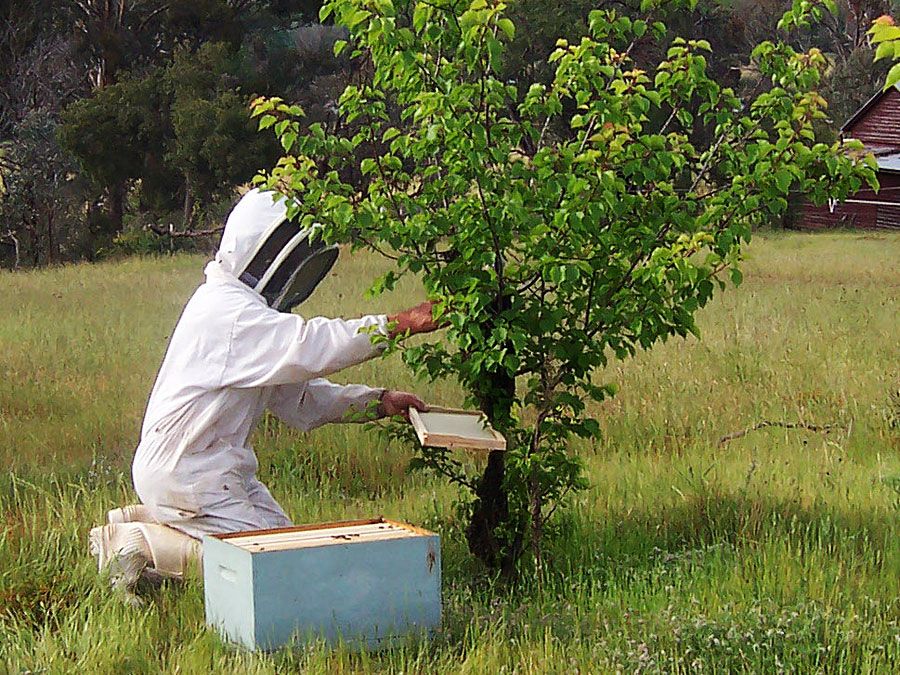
778	551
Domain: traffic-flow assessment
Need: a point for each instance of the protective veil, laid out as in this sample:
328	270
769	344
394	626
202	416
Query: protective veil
269	253
234	355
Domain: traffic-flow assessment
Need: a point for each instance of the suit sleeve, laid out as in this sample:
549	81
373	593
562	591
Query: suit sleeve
269	348
318	402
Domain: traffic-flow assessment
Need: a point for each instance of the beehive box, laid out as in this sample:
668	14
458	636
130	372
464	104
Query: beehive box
365	582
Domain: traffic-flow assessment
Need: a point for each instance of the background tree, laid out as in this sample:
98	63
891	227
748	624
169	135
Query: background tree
39	191
108	134
36	202
177	131
38	66
548	252
213	143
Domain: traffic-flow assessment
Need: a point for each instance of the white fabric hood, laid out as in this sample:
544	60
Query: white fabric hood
255	215
270	254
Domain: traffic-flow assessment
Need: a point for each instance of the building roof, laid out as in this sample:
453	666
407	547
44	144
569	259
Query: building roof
855	117
889	163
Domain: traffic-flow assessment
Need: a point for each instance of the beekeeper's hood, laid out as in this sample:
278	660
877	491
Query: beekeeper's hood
270	253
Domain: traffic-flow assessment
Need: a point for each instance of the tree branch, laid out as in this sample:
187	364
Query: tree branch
188	234
784	425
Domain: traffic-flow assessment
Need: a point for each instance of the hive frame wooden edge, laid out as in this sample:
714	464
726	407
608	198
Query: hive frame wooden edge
223	536
449	440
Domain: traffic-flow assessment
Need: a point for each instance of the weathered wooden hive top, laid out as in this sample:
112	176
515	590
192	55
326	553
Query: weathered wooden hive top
359	532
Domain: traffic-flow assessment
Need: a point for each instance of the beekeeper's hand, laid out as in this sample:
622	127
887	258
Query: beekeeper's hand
398	403
418	319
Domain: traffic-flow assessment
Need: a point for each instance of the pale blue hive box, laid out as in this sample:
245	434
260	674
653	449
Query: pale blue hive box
365	582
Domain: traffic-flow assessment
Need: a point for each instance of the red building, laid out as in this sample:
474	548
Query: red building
877	125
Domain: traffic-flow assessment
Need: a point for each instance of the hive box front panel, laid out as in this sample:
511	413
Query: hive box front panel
363	582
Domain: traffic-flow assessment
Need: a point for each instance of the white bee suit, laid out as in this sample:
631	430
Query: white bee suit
230	358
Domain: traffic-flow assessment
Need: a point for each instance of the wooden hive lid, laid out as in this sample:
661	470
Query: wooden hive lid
324	534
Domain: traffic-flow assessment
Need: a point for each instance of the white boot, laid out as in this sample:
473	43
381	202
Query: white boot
123	549
173	553
133	551
134	513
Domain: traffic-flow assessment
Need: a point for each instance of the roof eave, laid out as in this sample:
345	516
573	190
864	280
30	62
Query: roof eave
854	118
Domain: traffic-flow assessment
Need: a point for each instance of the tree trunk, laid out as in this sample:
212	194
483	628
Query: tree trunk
51	243
537	519
34	238
491	508
116	211
95	216
188	208
13	240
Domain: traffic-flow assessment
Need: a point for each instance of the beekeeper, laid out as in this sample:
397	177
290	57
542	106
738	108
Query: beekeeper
236	352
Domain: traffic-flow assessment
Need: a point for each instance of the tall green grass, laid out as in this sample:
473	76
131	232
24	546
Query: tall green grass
778	551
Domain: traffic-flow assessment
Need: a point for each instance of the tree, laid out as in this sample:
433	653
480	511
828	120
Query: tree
37	194
212	145
112	34
110	133
121	35
38	70
182	131
174	125
539	24
550	254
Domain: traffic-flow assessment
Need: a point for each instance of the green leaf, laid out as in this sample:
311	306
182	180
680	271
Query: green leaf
783	178
356	17
287	140
508	27
421	15
495	51
884	31
893	76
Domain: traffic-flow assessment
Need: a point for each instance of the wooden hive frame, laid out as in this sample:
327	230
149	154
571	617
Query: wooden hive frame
324	534
454	428
329	534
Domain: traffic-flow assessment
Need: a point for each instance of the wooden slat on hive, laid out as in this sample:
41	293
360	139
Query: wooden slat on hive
291	536
327	541
301	528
